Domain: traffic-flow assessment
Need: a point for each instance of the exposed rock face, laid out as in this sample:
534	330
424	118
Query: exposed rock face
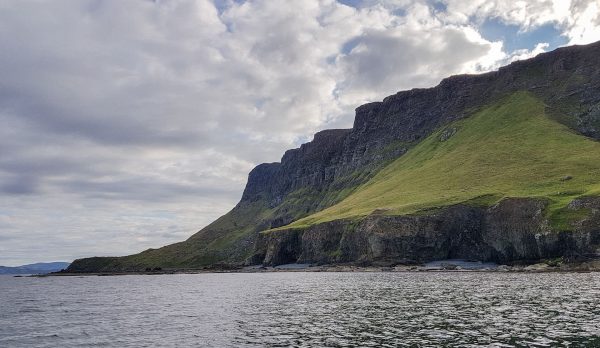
321	172
567	79
515	229
311	165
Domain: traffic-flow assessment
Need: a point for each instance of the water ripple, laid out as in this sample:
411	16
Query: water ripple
303	310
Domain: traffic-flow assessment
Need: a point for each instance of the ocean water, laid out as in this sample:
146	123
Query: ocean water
303	310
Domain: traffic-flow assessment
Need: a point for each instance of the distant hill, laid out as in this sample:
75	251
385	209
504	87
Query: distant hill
35	268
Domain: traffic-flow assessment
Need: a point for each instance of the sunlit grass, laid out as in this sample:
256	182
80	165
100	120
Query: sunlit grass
510	149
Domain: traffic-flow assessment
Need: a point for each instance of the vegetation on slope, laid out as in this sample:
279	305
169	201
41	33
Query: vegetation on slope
230	238
509	149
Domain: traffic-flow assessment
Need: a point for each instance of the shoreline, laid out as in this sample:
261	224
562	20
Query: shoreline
437	267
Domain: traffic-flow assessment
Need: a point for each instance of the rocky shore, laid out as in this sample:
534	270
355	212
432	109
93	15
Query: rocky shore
545	266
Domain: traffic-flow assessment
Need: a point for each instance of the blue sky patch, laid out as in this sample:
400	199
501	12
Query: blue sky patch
439	6
494	29
352	3
350	44
222	5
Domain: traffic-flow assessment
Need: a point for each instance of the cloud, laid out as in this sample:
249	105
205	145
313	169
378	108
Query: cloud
416	51
128	125
579	20
18	185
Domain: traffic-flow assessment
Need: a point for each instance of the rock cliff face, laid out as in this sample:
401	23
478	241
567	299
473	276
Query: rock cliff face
514	229
325	170
568	80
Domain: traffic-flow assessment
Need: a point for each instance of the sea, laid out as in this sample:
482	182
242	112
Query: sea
303	309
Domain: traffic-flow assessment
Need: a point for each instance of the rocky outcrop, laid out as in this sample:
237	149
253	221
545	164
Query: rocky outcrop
515	229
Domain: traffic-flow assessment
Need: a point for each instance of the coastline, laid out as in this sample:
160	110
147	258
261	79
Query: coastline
454	266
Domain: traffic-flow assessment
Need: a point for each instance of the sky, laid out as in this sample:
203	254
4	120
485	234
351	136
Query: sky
128	125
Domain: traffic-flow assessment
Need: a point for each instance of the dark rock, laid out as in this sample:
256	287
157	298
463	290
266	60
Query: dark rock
515	229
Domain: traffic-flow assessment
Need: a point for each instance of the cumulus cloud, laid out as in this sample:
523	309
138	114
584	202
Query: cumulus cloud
415	50
128	125
579	20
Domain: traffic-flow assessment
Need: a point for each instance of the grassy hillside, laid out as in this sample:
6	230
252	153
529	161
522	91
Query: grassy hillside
510	149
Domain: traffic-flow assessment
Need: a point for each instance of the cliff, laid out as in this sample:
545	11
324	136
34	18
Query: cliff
514	229
337	163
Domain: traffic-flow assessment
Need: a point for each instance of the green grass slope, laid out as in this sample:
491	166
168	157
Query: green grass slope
224	240
510	149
